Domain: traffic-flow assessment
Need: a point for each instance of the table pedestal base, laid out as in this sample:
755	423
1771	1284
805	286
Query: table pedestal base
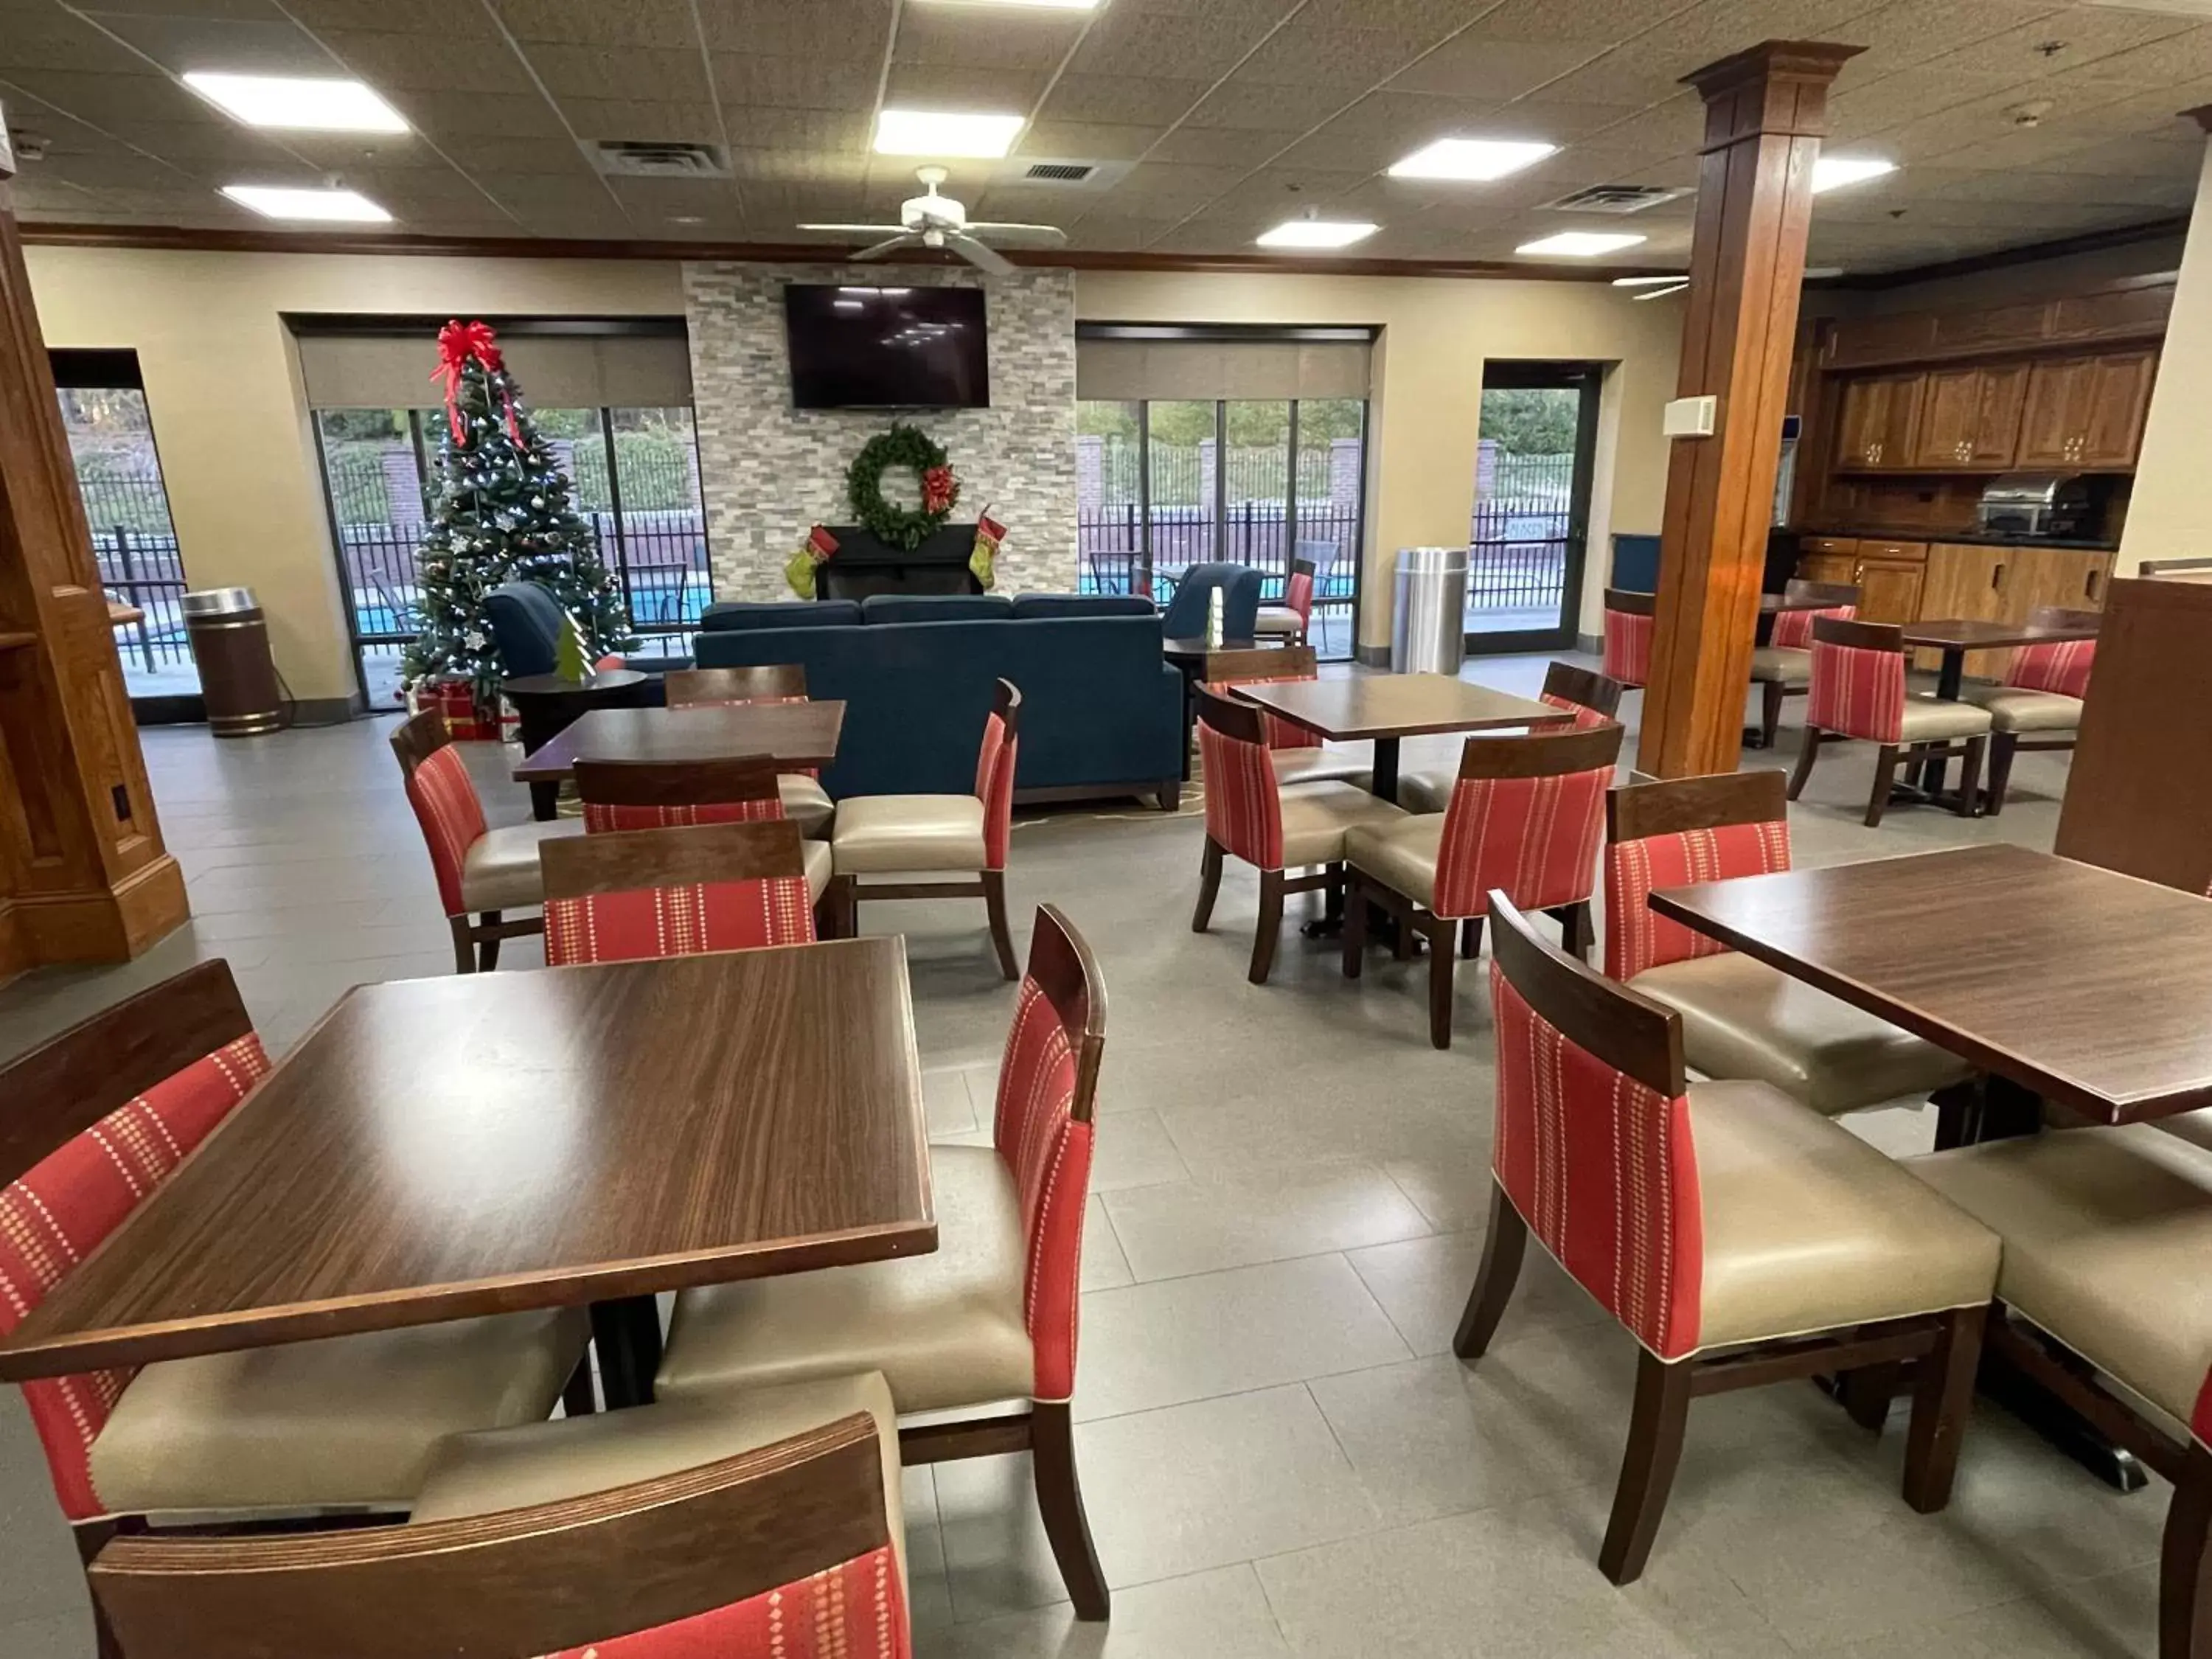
627	1334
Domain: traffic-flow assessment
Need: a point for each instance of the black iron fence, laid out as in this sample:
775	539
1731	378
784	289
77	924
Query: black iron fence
1110	543
1518	543
135	549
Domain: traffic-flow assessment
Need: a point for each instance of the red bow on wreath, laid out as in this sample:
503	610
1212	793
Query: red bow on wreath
939	489
457	343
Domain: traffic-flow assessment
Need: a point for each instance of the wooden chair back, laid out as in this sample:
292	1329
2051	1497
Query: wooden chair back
774	682
1239	721
1628	1030
1542	753
1674	807
1006	704
1585	687
1061	965
739	779
552	1578
1859	635
1630	603
417	737
634	860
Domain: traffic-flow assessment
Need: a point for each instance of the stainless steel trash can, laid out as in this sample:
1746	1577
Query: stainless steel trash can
1428	617
238	676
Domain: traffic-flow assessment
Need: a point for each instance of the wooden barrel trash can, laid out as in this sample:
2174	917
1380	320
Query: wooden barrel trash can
238	676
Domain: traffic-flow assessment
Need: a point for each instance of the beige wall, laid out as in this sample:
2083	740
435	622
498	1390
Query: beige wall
230	419
1436	334
2165	514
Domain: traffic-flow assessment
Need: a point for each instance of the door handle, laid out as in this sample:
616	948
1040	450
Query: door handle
2089	585
1997	578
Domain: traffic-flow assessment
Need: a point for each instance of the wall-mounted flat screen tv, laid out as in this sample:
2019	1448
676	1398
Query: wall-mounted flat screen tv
856	346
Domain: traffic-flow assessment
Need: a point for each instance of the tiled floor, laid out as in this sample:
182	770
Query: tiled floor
1279	1452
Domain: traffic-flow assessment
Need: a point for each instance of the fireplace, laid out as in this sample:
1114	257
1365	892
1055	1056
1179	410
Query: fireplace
863	565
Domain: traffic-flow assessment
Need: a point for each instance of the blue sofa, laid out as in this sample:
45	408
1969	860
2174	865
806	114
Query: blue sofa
1101	713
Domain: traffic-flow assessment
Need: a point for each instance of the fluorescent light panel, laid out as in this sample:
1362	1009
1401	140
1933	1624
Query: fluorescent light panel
301	105
1647	282
338	206
1834	171
945	132
1318	233
1472	158
1582	243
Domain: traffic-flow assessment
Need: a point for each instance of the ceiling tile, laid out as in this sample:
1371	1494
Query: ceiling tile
1148	46
55	41
267	10
1223	147
967	36
234	45
664	23
839	29
964	85
642	74
1300	55
647	120
822	131
794	82
1474	65
106	99
1084	141
442	18
1078	97
393	62
1263	108
1906	32
488	115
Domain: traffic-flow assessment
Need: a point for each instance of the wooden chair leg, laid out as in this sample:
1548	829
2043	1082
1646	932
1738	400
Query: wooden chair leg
465	946
488	948
1470	938
1958	1114
1647	1470
2184	1597
1002	939
92	1537
1442	962
1772	693
1502	1250
842	899
1332	896
1355	923
2002	745
1885	780
1865	1394
577	1399
1806	756
1940	1402
1270	926
1577	933
1209	885
1969	776
1059	1499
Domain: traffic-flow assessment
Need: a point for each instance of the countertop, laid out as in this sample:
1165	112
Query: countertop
1967	538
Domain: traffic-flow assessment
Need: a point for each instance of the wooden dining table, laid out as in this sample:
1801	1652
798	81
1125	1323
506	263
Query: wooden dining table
792	734
1390	707
1955	636
439	1149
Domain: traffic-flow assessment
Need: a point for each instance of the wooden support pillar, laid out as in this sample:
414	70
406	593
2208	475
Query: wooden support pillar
83	875
1765	111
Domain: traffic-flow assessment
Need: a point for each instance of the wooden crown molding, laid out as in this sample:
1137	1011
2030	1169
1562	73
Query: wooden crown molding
1814	61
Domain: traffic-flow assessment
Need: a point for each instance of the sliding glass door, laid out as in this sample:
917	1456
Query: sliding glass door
1530	538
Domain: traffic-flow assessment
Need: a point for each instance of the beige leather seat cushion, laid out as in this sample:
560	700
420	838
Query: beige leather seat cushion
817	855
1403	856
2106	1232
348	1420
1276	620
946	1329
1806	1227
1422	793
2012	709
1932	719
1781	664
1317	816
547	1462
500	871
1742	1019
805	802
1319	766
909	832
2195	1127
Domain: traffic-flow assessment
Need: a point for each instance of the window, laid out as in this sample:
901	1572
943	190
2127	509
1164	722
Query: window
1532	485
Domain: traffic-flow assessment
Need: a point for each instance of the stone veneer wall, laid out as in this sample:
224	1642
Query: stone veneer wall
768	472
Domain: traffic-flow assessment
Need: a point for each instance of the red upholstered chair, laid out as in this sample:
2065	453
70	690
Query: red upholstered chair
592	1538
1293	619
1858	692
1525	820
1250	814
1628	620
95	1121
2040	704
675	794
1738	1238
1593	699
929	834
480	871
1783	667
805	803
990	1317
1299	755
633	895
1739	1018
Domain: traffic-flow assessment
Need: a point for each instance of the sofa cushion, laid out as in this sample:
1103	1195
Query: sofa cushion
1083	604
934	607
740	615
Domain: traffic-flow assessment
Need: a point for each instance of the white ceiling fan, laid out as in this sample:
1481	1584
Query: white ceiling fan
938	221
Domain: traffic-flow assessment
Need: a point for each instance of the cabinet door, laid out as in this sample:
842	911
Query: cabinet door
1859	421
1964	581
2057	412
1950	412
2055	575
2116	399
1900	423
1889	590
1827	566
1999	398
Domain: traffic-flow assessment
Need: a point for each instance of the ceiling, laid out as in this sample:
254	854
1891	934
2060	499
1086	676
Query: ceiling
1224	117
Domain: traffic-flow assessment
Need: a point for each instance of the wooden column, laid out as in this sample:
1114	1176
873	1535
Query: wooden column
83	876
1765	111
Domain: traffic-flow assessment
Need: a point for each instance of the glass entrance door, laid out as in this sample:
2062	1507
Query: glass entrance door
1530	534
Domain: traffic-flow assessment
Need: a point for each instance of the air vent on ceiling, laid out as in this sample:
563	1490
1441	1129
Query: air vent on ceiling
1060	172
1615	198
635	158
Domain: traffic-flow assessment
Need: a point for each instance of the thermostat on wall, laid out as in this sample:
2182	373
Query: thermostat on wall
1692	417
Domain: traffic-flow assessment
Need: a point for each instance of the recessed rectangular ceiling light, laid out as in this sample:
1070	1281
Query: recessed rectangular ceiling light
945	132
1834	171
343	206
1471	158
1582	243
1647	282
306	105
1318	233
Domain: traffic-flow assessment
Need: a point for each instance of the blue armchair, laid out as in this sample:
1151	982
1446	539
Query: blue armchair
1185	617
525	622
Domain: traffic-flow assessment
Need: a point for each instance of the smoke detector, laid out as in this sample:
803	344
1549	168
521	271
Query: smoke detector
2030	114
1615	198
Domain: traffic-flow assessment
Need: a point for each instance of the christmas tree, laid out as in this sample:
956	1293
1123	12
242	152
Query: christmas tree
501	511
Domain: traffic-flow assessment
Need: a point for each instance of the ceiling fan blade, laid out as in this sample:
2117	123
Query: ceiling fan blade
904	238
976	254
858	230
1019	236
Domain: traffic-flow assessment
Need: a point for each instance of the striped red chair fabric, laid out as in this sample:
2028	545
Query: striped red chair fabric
1628	621
1738	1238
1293	619
2039	707
632	896
1594	700
1524	819
992	1315
1858	692
1793	630
805	803
587	1538
1299	755
2063	667
680	794
1783	667
1742	1019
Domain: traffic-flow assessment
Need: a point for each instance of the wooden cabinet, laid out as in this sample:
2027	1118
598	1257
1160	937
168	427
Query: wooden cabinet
1966	581
1877	423
1969	418
2086	412
1889	575
2055	575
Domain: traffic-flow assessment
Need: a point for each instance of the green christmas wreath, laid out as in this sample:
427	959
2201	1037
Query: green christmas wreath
911	447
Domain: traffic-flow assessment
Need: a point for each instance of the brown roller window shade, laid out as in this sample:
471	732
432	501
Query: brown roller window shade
1128	370
555	371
